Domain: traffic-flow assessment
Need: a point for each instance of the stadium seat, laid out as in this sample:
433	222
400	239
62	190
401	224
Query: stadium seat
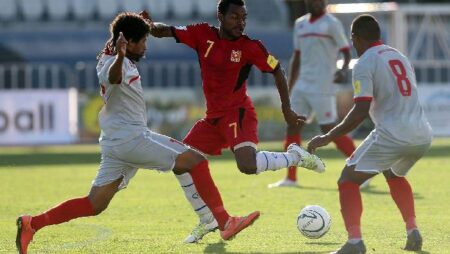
83	9
133	5
107	9
182	9
207	8
57	9
158	9
32	10
8	10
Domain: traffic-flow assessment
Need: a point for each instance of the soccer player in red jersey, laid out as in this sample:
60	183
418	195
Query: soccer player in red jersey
226	56
319	39
127	144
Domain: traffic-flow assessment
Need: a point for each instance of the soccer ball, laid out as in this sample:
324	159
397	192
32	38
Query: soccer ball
313	221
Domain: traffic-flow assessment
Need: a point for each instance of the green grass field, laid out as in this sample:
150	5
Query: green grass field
152	215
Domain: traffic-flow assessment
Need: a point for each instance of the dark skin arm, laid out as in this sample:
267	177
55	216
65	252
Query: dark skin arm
289	115
340	75
294	68
161	30
157	29
356	115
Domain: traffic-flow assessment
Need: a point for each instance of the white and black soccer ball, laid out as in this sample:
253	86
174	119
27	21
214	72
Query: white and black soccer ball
313	221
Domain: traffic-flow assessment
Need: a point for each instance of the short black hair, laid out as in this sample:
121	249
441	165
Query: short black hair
133	27
223	5
366	27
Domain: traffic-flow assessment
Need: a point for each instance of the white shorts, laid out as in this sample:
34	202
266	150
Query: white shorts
377	154
324	106
149	150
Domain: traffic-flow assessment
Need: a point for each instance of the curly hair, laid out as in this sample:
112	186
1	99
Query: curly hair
133	27
223	5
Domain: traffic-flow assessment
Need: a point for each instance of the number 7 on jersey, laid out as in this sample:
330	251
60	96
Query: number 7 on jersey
210	45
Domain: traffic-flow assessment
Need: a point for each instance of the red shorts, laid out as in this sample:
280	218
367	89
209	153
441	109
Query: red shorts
211	135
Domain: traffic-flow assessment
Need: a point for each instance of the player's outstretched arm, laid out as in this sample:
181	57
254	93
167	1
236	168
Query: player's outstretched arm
157	29
160	30
294	69
290	116
356	115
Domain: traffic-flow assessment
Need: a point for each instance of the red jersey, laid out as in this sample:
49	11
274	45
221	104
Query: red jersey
225	65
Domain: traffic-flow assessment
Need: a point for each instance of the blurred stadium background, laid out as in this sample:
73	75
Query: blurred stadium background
48	83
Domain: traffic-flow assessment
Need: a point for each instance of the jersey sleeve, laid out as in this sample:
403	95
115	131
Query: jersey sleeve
260	57
128	75
103	67
295	36
188	34
362	82
338	34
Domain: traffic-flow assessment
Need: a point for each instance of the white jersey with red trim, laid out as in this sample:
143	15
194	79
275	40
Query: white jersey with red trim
123	116
386	77
319	42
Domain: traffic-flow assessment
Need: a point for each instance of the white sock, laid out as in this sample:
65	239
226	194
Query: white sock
410	231
274	161
194	198
354	240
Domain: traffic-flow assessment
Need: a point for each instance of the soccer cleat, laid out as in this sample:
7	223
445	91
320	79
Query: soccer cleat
24	233
414	241
200	231
348	248
307	160
284	183
235	225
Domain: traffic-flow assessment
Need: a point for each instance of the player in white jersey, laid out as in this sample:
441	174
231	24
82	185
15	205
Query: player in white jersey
319	38
384	88
127	144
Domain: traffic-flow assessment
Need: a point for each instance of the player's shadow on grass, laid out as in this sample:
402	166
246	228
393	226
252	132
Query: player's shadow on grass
220	247
369	190
421	252
13	160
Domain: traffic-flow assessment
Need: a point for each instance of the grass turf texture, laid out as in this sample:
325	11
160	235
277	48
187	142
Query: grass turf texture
152	215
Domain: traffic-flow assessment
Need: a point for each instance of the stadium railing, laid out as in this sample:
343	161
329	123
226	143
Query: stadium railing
157	74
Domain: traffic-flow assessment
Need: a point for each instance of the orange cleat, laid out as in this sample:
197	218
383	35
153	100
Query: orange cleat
235	225
24	233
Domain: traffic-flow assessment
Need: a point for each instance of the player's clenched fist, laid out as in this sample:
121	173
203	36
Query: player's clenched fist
145	15
121	45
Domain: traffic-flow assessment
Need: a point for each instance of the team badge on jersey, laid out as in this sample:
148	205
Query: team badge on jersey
357	87
236	56
272	61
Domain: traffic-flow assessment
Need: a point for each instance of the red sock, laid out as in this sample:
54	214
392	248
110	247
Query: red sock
292	171
345	145
351	208
68	210
209	193
401	193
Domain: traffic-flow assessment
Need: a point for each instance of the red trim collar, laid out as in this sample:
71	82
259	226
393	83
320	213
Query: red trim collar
362	98
312	19
376	43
